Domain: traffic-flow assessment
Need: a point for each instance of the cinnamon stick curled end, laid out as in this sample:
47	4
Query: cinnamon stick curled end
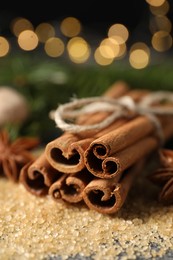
37	176
99	164
66	153
107	196
104	199
70	188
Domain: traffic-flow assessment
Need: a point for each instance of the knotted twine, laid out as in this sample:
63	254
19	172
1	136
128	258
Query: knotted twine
120	107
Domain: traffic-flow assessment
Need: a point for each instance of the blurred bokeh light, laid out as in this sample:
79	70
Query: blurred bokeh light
131	35
70	26
78	50
44	31
4	47
54	47
28	40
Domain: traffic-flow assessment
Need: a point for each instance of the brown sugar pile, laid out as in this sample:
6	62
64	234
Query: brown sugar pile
39	228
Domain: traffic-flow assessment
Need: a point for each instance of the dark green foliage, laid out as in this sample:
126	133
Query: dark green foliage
47	82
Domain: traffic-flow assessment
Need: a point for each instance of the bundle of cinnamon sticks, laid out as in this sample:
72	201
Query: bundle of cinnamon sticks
99	167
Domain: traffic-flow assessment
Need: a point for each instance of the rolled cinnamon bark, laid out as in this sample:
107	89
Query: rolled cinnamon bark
122	137
138	94
55	188
70	188
97	156
167	125
107	196
116	90
115	151
114	165
66	152
37	176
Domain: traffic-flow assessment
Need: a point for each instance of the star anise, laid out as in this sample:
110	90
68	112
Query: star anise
15	154
163	176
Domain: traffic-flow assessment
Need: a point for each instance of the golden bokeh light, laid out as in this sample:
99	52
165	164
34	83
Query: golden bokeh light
4	47
161	41
28	40
155	2
101	60
160	10
70	27
19	25
118	32
54	47
112	48
78	50
139	55
122	51
140	46
160	23
109	48
44	31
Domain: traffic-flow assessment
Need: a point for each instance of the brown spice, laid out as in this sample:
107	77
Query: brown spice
163	176
117	150
126	143
166	157
107	196
70	187
14	107
108	154
38	175
66	152
14	155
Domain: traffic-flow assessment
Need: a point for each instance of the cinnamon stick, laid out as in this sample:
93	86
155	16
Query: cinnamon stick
55	188
65	153
107	196
112	142
37	176
114	152
70	188
116	90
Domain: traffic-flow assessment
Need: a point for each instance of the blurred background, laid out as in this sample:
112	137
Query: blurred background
61	49
102	33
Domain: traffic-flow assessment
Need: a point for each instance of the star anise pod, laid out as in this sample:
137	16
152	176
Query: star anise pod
166	158
15	154
163	176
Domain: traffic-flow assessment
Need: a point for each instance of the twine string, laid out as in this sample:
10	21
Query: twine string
65	115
